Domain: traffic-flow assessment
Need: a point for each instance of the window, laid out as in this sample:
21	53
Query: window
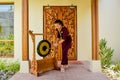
6	30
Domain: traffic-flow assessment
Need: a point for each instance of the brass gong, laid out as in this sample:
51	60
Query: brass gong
43	48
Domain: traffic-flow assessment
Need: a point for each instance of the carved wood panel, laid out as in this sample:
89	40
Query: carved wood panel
68	15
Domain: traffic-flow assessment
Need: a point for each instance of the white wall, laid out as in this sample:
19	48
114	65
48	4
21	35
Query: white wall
83	23
6	1
18	29
109	24
84	38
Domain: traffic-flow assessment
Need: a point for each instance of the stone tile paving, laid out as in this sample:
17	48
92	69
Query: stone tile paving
73	72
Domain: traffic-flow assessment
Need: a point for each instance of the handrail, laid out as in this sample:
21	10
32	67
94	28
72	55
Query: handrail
31	33
6	40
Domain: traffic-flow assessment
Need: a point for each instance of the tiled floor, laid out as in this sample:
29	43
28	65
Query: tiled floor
74	72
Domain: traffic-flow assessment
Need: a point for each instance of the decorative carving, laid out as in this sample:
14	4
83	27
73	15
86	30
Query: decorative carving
68	16
41	65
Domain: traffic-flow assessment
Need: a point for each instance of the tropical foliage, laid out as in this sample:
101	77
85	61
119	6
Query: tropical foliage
0	28
8	69
105	53
111	69
7	48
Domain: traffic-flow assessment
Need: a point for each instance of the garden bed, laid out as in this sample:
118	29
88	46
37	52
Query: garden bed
8	69
111	73
4	75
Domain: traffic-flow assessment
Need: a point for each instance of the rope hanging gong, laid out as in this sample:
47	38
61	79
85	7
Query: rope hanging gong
43	48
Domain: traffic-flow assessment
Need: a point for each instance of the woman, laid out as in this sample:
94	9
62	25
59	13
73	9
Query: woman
63	38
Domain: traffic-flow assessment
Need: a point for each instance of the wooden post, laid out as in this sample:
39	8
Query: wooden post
95	31
25	26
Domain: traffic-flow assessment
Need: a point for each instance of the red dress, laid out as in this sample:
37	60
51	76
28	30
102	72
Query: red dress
64	34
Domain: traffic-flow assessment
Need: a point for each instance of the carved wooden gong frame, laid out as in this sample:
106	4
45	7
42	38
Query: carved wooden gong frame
68	14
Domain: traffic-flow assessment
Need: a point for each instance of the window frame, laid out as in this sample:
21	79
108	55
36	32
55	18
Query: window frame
7	3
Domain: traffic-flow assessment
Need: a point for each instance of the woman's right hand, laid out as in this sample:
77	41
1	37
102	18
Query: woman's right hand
55	44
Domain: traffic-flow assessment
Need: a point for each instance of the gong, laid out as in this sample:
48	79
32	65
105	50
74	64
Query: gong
43	48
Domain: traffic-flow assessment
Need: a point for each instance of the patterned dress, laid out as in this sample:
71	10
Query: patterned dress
64	34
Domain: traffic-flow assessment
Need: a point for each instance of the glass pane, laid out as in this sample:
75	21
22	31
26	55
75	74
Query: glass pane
6	30
6	21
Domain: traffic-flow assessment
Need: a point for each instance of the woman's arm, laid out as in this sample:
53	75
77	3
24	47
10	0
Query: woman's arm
59	42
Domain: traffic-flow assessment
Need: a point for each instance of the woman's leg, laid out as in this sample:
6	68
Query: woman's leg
64	59
62	68
64	56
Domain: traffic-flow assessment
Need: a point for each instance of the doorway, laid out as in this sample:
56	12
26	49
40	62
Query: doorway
68	14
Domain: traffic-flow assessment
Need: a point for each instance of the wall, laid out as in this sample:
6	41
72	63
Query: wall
83	23
6	0
109	24
18	29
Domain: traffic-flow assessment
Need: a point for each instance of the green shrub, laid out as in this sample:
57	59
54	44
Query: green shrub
9	66
3	65
0	28
117	66
7	48
13	67
105	53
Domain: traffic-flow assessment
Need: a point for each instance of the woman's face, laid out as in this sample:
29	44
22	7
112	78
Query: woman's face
57	26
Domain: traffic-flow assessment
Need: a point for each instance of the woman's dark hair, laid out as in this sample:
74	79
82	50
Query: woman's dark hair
59	22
